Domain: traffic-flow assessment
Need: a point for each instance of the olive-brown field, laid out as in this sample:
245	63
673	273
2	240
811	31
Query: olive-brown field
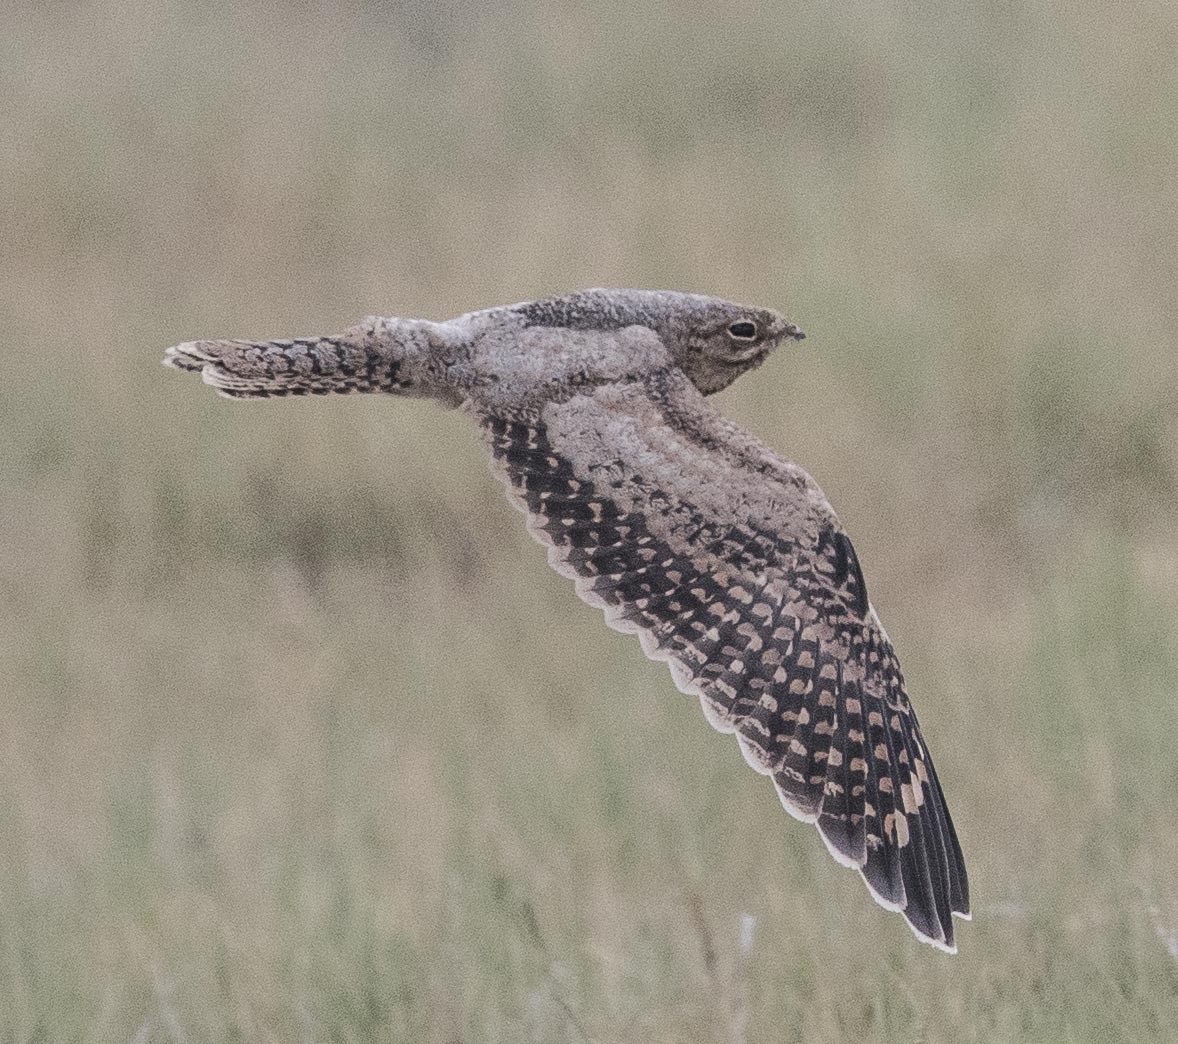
301	739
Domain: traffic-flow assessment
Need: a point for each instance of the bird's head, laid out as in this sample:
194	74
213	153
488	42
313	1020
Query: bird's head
715	341
712	340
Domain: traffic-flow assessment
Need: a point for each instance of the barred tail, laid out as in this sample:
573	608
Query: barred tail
365	358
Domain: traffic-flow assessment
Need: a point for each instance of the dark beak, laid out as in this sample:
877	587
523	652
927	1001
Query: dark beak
785	329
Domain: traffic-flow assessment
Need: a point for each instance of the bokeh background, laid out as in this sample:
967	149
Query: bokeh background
300	739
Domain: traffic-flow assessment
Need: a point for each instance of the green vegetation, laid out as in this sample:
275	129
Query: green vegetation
301	740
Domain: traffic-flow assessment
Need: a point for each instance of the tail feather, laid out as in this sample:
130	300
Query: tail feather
359	360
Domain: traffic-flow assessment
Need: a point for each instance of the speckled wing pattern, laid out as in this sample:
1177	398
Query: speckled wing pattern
728	563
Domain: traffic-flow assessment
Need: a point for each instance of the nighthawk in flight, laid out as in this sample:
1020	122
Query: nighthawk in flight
725	559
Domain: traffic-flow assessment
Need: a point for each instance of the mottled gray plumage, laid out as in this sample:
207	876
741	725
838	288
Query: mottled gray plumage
724	559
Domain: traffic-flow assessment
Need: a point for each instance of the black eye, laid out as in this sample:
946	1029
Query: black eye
743	331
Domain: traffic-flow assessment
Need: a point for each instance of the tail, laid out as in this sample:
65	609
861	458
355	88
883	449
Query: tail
368	357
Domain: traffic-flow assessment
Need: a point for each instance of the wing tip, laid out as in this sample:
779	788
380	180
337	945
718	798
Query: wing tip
836	853
943	941
942	944
891	905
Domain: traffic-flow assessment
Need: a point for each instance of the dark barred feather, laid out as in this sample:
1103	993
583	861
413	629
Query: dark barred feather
780	643
301	366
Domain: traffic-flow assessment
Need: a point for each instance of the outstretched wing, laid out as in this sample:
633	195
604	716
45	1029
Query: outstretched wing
729	564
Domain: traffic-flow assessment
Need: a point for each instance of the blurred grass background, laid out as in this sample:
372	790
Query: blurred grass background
301	740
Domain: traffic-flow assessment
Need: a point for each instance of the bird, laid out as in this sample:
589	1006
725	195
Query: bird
724	558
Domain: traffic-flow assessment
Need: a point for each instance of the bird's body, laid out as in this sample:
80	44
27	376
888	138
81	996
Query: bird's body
726	560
